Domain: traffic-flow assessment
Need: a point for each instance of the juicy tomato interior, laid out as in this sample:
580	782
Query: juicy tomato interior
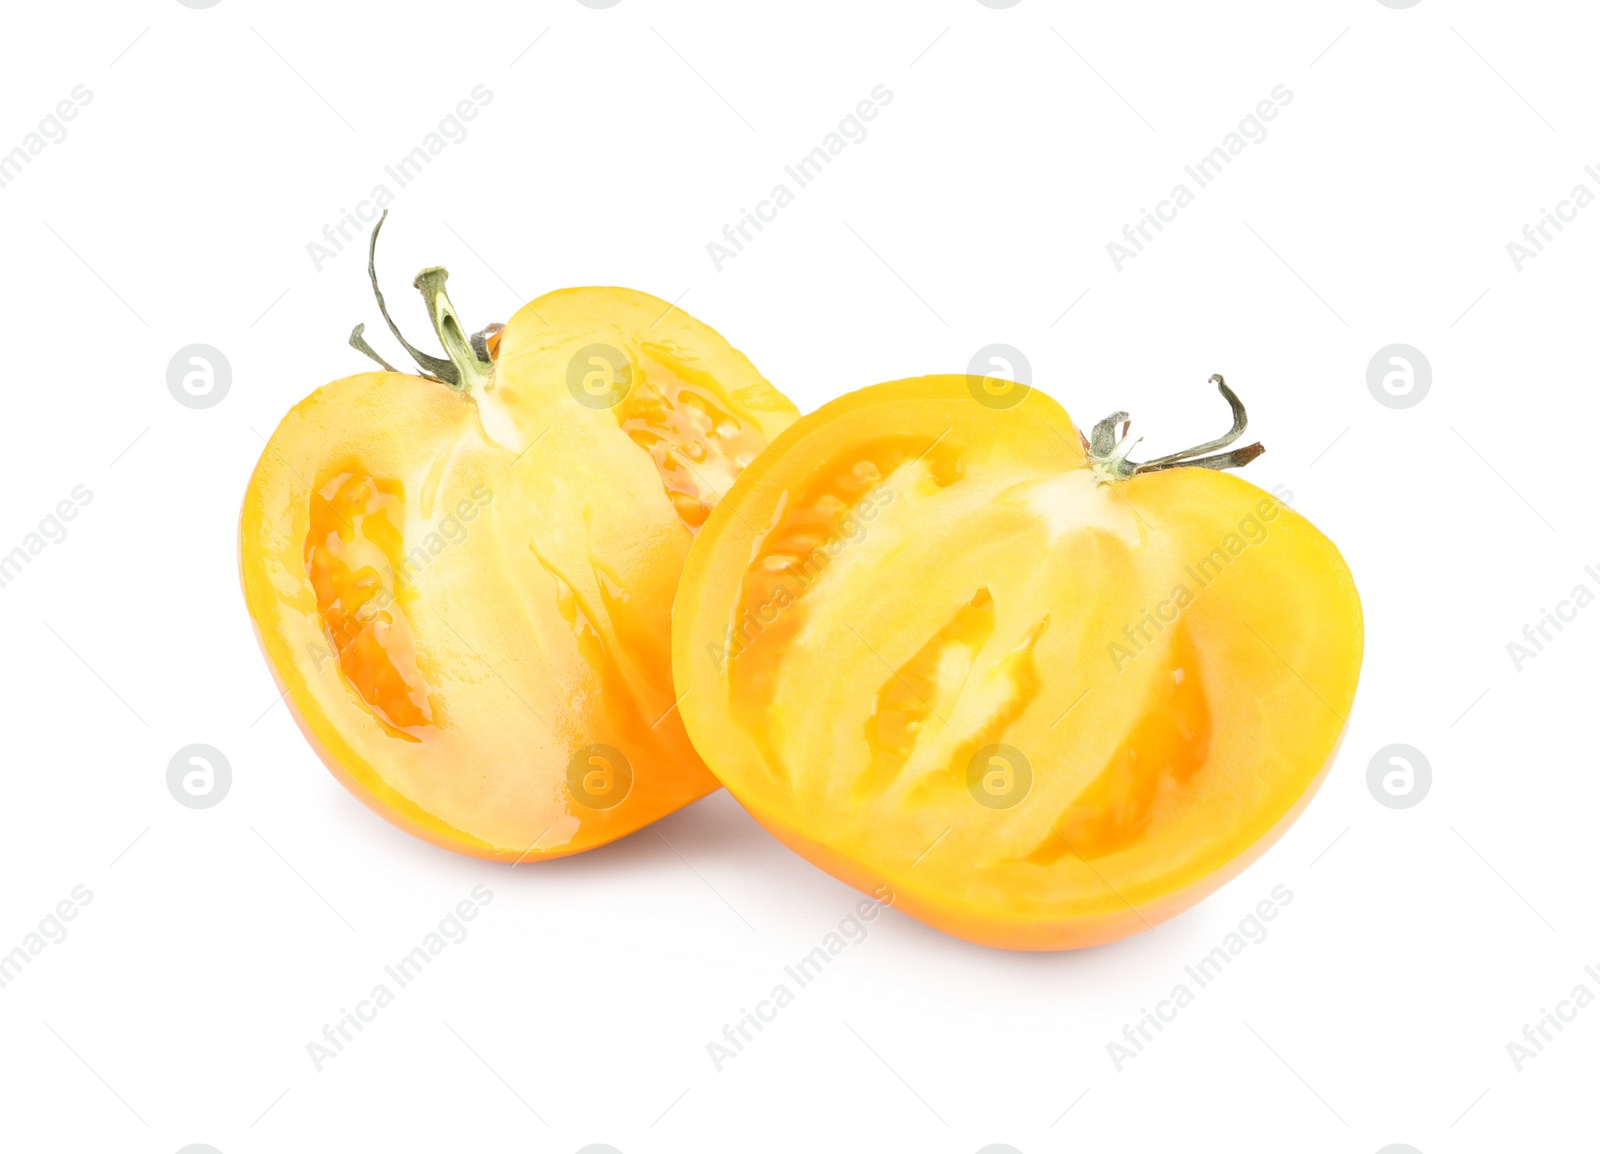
354	551
928	648
466	595
698	446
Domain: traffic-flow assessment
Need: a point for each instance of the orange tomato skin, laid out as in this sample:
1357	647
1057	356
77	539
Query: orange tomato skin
1003	931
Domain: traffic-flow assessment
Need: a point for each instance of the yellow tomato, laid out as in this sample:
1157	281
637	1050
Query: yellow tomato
950	650
463	578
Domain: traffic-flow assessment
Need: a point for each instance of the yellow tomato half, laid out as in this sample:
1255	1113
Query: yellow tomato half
464	586
948	649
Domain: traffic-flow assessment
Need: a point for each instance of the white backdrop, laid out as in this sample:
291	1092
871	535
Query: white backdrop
207	148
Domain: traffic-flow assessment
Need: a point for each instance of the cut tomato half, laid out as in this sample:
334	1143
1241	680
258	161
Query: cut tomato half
949	649
463	577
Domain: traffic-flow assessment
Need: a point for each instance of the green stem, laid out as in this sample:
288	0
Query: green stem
1109	457
472	371
359	343
431	366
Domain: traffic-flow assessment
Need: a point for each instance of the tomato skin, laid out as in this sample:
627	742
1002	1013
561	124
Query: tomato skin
992	585
464	595
991	927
